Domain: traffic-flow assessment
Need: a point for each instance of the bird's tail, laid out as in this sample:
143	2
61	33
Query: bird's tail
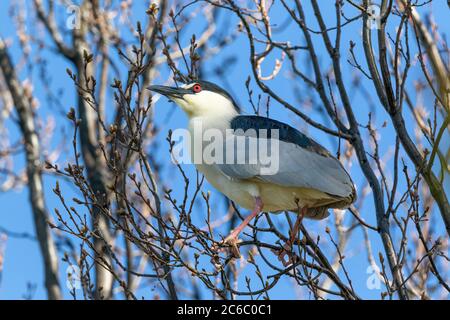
317	213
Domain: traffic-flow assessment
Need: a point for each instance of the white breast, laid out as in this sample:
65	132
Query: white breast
241	192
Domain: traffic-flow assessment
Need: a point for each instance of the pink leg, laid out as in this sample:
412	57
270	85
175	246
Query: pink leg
233	236
287	250
298	221
258	208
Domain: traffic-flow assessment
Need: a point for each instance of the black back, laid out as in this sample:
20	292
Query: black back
285	131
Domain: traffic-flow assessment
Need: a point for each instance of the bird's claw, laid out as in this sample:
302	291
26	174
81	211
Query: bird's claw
230	244
286	251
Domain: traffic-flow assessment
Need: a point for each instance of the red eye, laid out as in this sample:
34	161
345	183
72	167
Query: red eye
197	88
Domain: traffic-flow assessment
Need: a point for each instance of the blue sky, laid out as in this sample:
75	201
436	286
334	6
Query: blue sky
23	264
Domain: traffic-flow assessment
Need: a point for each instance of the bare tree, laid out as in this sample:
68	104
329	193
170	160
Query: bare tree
127	231
23	105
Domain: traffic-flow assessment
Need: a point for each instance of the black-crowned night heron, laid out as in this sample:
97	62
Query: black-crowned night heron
308	179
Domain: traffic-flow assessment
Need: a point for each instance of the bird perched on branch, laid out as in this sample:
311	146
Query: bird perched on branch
302	176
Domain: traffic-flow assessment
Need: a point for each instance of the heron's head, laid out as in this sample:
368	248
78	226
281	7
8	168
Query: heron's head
200	98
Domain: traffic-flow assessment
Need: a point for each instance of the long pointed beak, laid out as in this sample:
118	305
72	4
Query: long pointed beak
170	92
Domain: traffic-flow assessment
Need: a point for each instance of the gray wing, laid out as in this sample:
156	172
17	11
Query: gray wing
286	163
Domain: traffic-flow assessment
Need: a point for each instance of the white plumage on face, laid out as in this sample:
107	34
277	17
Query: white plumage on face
204	103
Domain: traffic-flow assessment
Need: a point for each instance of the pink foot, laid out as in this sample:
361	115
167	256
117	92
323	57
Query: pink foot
230	243
286	251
